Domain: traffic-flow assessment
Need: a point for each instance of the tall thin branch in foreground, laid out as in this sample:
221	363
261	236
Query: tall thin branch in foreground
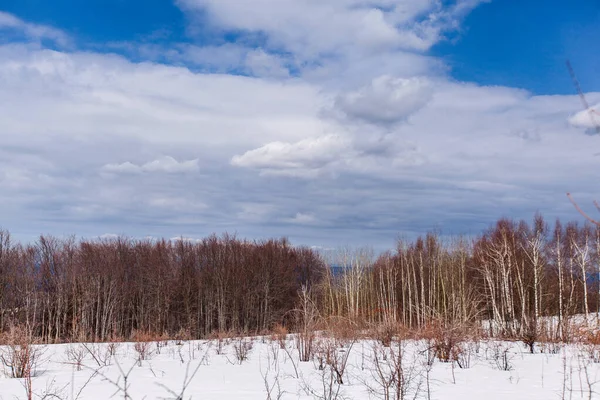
593	221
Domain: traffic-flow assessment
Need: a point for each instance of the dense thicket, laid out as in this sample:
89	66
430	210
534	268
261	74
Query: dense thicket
513	274
104	289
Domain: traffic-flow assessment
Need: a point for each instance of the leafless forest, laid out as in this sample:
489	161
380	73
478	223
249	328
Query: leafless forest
514	274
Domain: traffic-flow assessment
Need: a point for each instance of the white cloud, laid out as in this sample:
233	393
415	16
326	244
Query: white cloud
109	236
261	63
33	31
302	218
310	28
386	100
176	203
587	118
331	155
306	157
255	212
125	167
223	58
148	102
185	239
163	164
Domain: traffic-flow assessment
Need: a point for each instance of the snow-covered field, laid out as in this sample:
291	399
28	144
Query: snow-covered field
213	370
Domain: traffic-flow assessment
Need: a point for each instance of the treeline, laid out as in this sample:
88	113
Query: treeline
513	275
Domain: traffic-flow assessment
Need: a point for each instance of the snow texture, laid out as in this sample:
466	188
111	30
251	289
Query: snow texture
214	372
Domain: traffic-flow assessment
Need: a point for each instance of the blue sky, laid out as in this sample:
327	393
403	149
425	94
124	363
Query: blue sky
103	20
525	44
332	123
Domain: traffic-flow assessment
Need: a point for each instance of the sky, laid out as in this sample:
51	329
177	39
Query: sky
332	123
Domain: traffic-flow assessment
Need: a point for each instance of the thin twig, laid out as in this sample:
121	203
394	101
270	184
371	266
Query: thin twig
593	221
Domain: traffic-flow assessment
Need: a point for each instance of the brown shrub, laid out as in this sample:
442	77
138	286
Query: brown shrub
446	340
343	331
143	345
19	356
279	335
386	332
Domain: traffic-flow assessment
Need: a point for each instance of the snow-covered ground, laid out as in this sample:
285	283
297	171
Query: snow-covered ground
212	370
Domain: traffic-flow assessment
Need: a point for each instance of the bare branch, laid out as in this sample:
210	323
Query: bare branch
593	221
